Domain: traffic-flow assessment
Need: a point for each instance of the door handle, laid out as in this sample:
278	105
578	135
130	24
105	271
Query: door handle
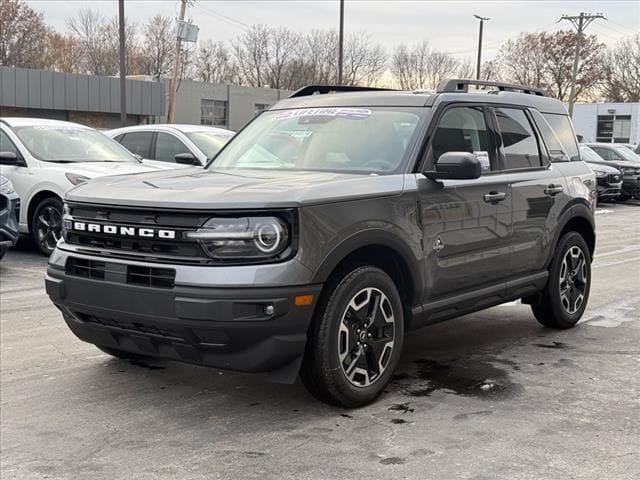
494	197
553	189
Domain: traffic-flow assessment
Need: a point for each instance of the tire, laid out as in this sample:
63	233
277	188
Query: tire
336	368
121	354
571	271
46	225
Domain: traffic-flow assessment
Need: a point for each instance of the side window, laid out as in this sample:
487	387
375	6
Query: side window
6	145
518	139
463	129
605	153
138	143
561	125
168	146
556	148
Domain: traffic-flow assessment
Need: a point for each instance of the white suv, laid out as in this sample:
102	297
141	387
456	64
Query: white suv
46	158
172	145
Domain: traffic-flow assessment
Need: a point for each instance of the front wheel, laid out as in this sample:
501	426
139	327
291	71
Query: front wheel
356	339
565	297
46	225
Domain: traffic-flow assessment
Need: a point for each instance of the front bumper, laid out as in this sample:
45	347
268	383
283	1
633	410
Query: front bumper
608	190
631	186
227	328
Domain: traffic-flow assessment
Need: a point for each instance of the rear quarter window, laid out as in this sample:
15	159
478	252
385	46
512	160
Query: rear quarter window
561	125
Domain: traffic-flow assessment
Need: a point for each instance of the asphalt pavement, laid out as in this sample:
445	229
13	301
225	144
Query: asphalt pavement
492	395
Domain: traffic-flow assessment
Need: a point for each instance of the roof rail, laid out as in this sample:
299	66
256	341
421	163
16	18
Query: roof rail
322	89
462	86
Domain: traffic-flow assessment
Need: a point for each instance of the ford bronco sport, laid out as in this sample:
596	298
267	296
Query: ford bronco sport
330	226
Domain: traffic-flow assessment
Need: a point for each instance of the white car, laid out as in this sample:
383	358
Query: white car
172	145
44	159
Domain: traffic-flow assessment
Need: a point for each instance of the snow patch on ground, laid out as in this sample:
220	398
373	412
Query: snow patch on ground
613	315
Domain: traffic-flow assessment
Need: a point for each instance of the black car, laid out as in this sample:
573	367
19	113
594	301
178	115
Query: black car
9	205
609	178
624	160
328	227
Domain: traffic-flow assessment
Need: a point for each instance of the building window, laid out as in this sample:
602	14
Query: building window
213	112
616	129
261	107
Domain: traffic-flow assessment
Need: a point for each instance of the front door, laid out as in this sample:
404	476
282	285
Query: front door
466	223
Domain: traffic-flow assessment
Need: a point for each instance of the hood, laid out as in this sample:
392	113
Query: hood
210	189
603	167
618	164
100	169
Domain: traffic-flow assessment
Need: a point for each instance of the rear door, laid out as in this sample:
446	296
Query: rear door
466	223
539	192
138	143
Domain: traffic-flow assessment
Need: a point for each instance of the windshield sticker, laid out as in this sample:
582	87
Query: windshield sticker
348	113
483	158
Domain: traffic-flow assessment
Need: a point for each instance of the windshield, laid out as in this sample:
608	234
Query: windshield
589	155
209	143
55	143
626	154
359	140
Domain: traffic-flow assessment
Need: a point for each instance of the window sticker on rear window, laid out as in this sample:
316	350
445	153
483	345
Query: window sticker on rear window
483	158
348	113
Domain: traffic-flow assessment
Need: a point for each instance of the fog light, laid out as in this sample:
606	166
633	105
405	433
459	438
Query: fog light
268	309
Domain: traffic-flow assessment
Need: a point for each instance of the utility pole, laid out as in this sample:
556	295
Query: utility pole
173	86
341	43
482	20
580	22
123	65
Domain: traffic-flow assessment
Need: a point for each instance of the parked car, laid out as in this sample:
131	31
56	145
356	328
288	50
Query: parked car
172	145
630	146
46	158
327	228
609	178
9	207
625	161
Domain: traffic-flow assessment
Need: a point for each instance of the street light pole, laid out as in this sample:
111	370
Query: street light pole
341	43
482	20
580	22
123	65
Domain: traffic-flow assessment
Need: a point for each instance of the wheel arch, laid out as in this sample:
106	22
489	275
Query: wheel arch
579	218
381	249
35	200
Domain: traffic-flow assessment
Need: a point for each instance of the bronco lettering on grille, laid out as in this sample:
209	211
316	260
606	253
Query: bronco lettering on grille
124	231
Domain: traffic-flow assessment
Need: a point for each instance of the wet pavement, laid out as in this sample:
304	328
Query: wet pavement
492	395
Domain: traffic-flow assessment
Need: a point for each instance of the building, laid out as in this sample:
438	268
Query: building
227	106
607	122
86	99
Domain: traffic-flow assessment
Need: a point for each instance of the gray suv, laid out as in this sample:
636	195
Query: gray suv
329	227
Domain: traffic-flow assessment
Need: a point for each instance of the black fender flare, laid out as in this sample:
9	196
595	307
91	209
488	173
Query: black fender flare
375	237
578	210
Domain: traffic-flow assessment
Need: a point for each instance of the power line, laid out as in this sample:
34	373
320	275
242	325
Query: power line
580	22
220	16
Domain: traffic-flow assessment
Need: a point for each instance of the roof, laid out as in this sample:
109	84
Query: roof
374	98
31	121
173	126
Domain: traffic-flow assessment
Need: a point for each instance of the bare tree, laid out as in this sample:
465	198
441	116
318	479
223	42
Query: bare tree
88	27
466	68
157	46
213	63
524	61
621	82
419	67
23	35
63	53
317	58
250	52
364	62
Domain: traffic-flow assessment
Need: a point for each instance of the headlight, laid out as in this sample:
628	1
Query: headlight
6	186
252	238
76	179
599	173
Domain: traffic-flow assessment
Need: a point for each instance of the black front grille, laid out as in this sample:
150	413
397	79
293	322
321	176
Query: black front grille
151	277
131	326
120	273
613	178
80	267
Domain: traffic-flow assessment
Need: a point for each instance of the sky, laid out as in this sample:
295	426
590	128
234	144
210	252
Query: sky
449	26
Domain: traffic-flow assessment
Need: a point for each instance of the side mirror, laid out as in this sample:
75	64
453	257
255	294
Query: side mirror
10	158
187	159
456	166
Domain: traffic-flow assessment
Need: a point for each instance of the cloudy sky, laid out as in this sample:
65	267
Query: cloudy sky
449	26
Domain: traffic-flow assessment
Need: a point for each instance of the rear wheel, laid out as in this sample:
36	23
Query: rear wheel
356	339
46	225
565	297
